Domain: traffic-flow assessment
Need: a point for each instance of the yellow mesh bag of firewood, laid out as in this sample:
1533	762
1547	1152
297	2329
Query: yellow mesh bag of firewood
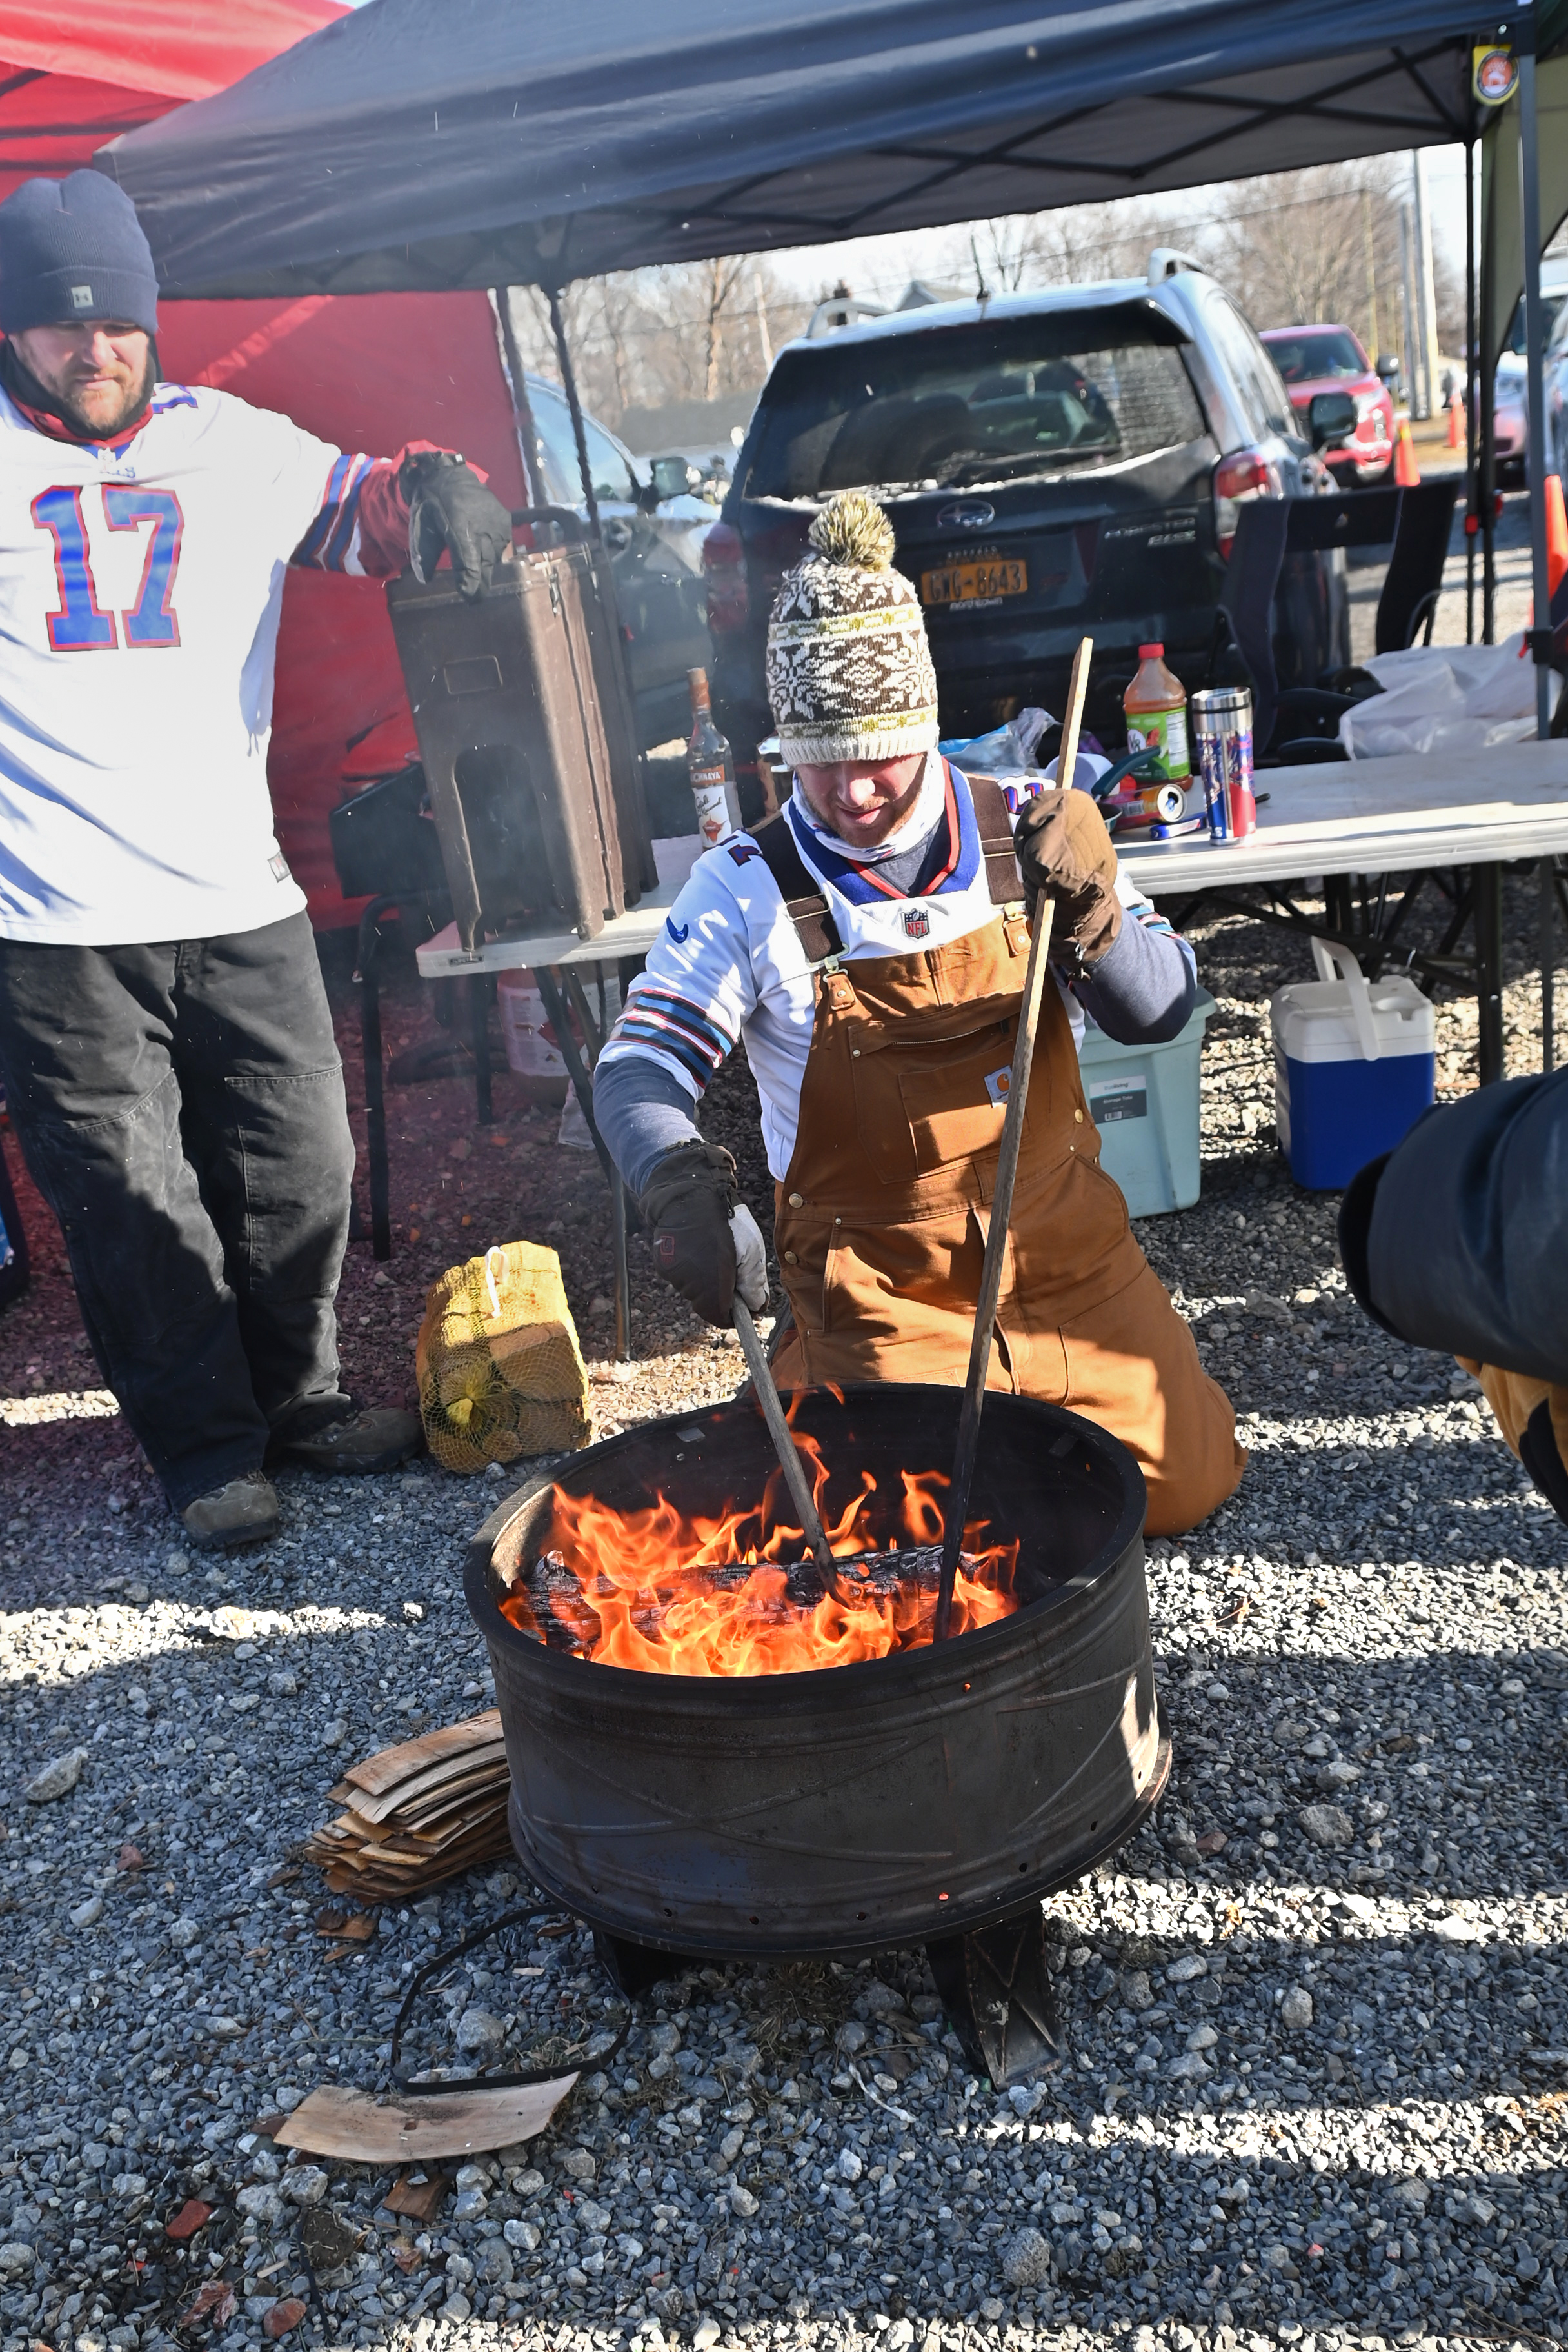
500	1372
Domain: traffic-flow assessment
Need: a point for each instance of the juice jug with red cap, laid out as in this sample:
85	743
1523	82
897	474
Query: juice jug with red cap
1156	705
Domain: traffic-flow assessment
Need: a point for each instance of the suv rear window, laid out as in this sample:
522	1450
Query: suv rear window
954	407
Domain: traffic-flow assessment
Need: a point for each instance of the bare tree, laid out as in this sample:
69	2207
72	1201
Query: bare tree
643	337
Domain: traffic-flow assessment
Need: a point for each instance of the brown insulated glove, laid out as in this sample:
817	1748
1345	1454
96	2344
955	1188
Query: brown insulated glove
687	1202
1064	850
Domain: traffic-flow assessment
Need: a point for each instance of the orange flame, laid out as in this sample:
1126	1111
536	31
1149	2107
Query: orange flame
667	1592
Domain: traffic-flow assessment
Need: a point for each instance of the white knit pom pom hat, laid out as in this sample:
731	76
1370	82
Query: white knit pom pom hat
849	670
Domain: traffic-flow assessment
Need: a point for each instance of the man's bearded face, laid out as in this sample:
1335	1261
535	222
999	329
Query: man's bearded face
99	371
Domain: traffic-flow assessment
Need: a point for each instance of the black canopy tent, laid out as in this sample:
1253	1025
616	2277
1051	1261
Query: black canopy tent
475	144
417	145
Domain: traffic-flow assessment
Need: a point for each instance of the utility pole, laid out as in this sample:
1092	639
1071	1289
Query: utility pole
764	337
1416	387
1426	290
1371	272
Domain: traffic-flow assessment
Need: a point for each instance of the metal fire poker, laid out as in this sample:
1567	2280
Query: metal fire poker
968	1443
778	1430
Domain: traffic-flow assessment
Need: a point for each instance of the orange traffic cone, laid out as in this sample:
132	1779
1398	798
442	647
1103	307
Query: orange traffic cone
1556	549
1455	424
1556	536
1406	472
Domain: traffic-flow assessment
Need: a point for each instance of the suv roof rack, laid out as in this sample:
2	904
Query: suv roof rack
1169	261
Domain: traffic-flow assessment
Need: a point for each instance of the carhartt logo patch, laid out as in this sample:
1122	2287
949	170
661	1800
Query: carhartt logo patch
916	923
997	1084
81	297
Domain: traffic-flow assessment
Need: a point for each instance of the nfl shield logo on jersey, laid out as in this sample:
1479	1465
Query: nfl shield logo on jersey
916	923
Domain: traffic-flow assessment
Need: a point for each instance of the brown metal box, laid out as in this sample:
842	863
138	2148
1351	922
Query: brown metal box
525	737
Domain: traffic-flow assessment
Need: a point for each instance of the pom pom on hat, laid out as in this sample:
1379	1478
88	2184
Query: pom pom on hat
852	528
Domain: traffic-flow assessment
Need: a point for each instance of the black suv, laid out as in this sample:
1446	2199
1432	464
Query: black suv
1052	464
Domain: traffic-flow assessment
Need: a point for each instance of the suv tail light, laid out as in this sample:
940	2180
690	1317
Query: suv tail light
724	562
1246	474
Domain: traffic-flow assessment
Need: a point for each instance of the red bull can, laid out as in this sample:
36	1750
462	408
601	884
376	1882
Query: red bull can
1222	733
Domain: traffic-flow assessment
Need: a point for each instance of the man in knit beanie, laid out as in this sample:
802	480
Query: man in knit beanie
869	945
166	1047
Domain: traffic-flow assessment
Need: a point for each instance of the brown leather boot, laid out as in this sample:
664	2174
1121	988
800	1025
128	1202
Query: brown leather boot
378	1438
242	1512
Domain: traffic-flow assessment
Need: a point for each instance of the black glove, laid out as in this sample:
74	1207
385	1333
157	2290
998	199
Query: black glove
1064	850
687	1202
450	508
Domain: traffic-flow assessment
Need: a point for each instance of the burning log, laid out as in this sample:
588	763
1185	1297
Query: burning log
669	1592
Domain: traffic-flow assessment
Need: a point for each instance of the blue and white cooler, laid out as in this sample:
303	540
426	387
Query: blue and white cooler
1355	1067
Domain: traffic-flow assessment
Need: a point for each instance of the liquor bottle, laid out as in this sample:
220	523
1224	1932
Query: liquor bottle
710	763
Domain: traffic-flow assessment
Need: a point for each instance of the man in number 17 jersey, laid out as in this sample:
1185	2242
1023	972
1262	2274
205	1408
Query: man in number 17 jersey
165	1043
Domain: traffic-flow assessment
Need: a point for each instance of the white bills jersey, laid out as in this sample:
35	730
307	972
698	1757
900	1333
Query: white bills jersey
140	586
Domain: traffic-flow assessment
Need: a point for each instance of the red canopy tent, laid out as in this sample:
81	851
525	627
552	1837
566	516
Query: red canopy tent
75	75
368	372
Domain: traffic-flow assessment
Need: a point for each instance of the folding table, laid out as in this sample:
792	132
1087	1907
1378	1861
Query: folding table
1404	814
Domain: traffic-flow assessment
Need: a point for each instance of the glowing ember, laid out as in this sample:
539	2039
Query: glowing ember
666	1592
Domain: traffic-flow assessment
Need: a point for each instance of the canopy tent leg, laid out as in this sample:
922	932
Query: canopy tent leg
1535	477
1472	347
1488	904
568	386
1546	887
522	407
1535	346
1486	403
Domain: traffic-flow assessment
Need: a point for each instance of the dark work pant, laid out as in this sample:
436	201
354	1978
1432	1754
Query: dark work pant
181	1107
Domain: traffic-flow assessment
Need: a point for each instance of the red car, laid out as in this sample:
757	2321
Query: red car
1334	358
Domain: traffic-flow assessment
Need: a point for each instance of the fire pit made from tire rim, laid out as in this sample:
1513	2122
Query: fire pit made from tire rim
897	1800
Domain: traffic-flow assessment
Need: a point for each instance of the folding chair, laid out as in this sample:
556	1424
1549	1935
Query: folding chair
1300	724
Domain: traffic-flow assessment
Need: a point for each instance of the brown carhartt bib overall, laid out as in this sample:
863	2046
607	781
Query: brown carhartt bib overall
881	1220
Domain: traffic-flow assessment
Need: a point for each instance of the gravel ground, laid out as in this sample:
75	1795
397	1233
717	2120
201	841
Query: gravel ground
1316	2057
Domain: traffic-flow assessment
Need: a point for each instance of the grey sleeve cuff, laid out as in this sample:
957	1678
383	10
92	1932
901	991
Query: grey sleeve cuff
642	1112
1142	991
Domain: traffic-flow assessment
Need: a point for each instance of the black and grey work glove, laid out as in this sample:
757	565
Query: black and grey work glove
450	508
1064	850
690	1205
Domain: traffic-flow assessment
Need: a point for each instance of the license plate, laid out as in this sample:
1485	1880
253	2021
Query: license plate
964	583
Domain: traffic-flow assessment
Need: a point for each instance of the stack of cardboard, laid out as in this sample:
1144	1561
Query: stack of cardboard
418	1813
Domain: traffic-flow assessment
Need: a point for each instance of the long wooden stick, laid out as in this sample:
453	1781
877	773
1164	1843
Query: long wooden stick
791	1460
968	1443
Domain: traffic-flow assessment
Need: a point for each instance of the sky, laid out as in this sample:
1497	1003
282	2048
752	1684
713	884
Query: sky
878	267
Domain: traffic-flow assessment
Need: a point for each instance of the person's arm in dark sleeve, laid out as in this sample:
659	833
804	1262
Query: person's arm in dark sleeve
1458	1239
1139	989
1143	989
641	1111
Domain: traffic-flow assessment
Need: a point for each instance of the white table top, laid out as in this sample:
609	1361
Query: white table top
632	934
1359	816
1377	816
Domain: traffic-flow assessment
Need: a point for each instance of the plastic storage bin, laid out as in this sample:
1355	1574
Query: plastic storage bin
1144	1101
1355	1067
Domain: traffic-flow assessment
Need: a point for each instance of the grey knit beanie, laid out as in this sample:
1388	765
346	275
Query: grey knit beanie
74	249
849	670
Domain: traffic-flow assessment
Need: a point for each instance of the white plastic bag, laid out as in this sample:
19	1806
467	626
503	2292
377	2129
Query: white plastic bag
1444	698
